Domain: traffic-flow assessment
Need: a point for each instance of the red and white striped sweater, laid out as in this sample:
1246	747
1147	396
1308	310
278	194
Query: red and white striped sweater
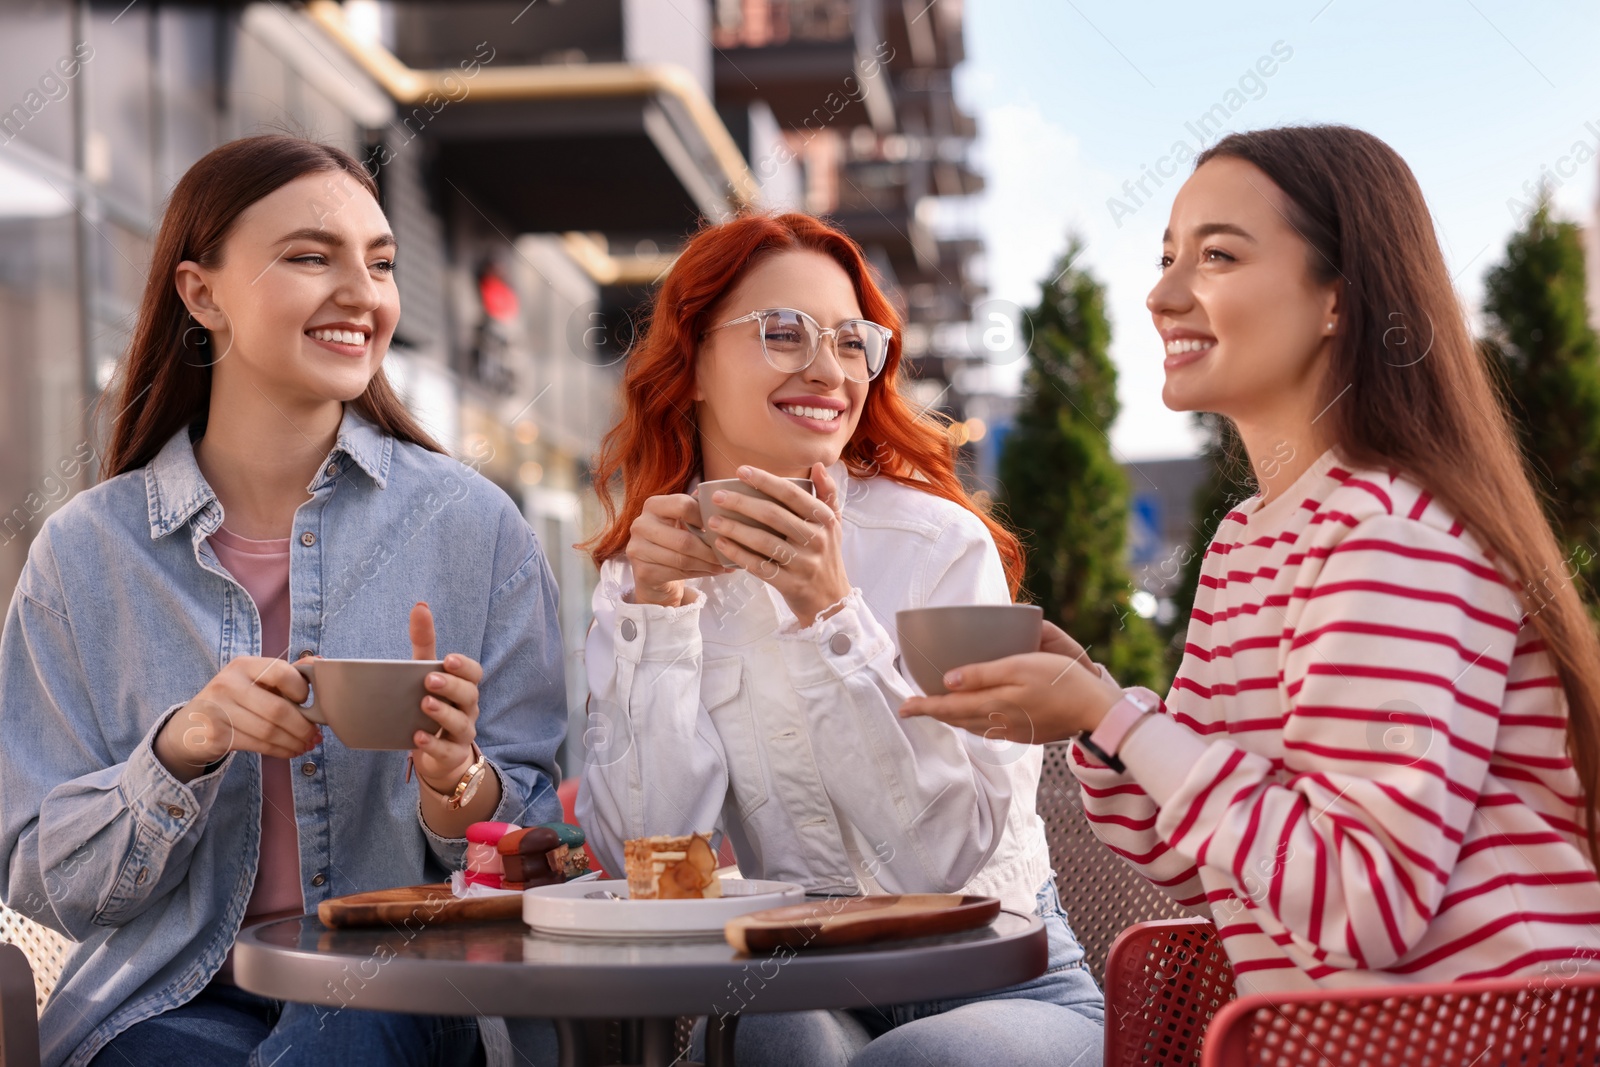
1362	771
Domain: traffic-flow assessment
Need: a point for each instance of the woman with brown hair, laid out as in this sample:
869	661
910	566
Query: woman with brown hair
1378	761
265	498
759	699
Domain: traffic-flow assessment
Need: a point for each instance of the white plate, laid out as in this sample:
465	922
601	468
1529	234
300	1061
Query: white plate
566	909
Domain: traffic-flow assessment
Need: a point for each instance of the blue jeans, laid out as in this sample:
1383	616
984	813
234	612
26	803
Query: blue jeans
1057	1018
226	1027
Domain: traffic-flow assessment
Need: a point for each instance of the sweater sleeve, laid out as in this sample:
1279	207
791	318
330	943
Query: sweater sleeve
1123	816
1393	682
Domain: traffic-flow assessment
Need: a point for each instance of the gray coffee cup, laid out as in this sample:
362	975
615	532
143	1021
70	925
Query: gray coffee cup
935	640
734	485
370	703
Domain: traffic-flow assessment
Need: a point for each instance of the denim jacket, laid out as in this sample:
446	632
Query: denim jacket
123	613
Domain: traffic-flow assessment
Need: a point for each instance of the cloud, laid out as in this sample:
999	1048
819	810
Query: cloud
1039	187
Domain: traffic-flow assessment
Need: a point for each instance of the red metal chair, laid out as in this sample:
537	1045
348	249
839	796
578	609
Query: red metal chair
1552	1020
1164	981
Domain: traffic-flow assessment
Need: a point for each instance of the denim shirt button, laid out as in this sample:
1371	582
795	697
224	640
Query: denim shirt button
308	539
305	653
839	644
319	878
143	875
308	768
175	811
629	630
333	470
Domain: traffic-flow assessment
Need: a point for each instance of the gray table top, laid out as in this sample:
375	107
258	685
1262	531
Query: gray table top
501	968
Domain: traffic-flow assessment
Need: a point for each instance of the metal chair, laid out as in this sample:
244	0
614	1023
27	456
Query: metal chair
1164	982
44	949
1552	1020
1102	892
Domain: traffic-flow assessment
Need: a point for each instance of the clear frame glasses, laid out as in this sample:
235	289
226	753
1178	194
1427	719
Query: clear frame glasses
790	340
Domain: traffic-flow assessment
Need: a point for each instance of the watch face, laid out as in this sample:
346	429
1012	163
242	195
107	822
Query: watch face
471	788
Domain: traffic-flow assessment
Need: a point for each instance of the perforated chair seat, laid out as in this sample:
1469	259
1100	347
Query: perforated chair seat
45	949
1551	1020
1164	982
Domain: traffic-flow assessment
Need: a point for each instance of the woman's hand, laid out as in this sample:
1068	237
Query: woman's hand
1033	698
252	705
663	552
806	563
442	758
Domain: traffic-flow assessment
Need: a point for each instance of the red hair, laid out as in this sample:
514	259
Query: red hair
655	446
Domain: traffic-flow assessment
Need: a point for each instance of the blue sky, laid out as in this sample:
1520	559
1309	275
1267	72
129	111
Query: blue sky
1076	97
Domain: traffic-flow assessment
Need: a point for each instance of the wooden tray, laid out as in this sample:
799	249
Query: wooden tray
423	904
859	920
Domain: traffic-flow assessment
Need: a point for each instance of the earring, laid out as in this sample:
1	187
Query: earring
1330	325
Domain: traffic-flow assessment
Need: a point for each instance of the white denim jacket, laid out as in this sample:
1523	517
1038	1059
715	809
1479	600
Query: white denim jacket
722	713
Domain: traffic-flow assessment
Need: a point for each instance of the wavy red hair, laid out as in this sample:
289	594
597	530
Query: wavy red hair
655	447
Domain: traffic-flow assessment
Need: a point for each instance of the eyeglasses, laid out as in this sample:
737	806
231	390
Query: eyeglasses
790	340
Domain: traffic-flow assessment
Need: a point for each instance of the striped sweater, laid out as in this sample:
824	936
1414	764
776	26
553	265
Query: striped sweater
1361	771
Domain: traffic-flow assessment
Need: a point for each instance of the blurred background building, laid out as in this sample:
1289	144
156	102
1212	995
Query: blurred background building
540	163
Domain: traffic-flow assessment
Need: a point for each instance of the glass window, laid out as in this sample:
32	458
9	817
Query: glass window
44	453
38	74
119	137
187	79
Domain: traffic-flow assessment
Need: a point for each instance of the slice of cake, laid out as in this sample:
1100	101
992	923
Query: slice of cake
668	867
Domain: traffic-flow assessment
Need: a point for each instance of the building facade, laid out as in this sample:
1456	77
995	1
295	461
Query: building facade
540	164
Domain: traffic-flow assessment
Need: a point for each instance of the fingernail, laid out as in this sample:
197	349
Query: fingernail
718	497
952	680
435	681
452	661
744	472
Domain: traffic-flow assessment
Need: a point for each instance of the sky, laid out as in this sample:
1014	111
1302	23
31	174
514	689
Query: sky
1076	97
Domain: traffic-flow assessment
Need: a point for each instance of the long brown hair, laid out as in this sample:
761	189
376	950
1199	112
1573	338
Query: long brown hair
164	382
655	446
1420	396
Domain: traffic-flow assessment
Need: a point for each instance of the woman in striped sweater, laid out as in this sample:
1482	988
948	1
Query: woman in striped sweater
1377	763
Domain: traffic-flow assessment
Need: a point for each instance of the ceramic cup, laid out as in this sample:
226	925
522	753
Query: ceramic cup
935	640
370	703
733	485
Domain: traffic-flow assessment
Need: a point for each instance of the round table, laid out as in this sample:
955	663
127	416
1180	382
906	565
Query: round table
501	968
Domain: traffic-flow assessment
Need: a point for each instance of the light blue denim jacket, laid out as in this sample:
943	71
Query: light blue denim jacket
123	613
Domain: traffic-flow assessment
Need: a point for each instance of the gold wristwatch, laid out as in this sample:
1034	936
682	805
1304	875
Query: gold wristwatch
471	779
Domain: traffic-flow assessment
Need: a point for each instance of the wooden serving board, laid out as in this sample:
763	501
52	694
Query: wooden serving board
859	920
424	904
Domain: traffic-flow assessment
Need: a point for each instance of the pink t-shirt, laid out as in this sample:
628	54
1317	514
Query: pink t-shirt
262	567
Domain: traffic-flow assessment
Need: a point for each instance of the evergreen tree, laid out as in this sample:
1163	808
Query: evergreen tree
1228	480
1062	487
1541	345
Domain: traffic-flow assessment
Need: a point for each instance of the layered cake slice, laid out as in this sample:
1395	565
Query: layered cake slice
668	867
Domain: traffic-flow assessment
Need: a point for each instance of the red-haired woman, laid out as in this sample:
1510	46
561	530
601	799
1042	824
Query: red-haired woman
1378	761
266	497
761	699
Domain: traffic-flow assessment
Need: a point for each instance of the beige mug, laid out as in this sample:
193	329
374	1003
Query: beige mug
734	485
935	640
370	703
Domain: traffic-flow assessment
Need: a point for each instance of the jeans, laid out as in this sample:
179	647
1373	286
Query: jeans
226	1027
1057	1018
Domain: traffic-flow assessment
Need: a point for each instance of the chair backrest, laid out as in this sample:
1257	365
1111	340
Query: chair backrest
19	1021
1103	894
1164	982
1551	1019
45	950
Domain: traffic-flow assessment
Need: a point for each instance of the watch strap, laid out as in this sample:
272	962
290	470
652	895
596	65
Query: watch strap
1106	740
